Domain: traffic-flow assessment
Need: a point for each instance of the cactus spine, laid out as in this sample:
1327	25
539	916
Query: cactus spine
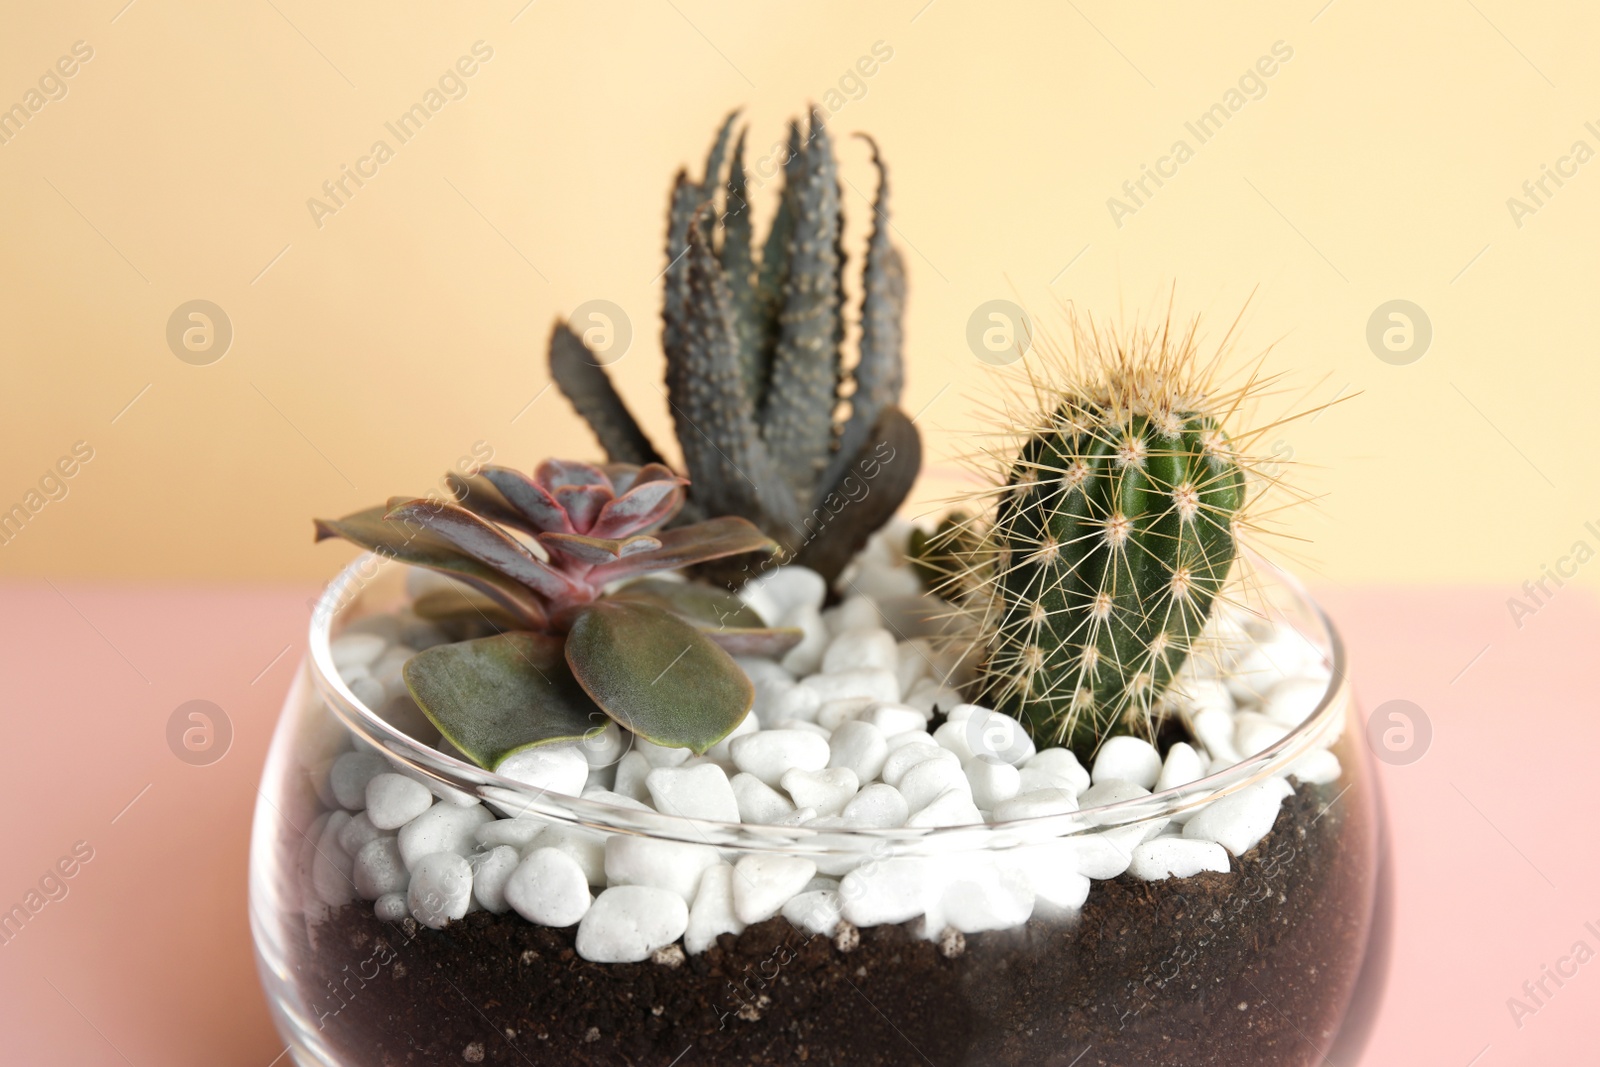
1112	536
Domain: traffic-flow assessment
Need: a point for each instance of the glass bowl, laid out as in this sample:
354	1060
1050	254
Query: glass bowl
1276	962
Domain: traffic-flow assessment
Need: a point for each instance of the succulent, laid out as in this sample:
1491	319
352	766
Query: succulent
1109	541
564	652
755	367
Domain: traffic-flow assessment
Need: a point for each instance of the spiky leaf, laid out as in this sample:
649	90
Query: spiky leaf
585	383
657	675
868	493
498	695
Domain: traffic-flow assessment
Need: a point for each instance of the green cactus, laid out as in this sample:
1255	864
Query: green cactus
755	367
1109	544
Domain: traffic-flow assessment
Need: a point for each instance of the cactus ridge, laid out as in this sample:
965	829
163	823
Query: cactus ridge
1111	533
755	357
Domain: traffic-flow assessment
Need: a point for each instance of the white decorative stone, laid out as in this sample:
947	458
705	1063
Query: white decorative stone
877	807
1239	821
835	713
763	884
827	791
712	913
1128	759
632	770
391	907
1176	857
1292	700
699	792
759	802
876	685
349	775
815	911
352	650
616	800
992	779
914	660
514	832
490	871
587	848
1036	804
442	828
759	670
440	889
978	896
627	923
357	832
1052	871
901	760
1103	855
928	696
551	768
781	592
981	732
776	701
378	869
859	747
392	800
869	648
1056	768
893	719
1214	729
1181	767
549	888
770	753
852	613
660	755
954	807
722	751
1256	733
671	865
1316	768
930	779
912	737
891	891
806	657
606	747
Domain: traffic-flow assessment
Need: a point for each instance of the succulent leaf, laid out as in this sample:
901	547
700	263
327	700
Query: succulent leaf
657	675
556	474
685	546
416	545
597	550
495	696
485	543
534	501
582	503
738	267
478	495
586	385
868	493
706	606
640	509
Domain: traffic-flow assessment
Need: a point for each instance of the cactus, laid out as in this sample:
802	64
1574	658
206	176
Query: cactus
755	368
1110	540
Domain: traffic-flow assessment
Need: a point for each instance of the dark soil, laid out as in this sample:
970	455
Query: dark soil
1250	968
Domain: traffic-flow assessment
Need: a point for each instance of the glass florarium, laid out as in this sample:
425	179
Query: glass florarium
616	763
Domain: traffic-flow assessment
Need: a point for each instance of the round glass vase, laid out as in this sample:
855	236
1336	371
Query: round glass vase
1276	962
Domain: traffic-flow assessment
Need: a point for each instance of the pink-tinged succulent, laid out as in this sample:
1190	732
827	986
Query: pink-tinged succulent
652	654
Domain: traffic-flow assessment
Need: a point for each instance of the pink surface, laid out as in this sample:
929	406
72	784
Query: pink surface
147	959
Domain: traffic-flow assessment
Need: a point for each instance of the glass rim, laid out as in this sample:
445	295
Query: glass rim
518	799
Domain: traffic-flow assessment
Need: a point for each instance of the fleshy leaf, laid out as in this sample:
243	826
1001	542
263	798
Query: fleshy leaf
463	607
688	545
657	675
478	495
422	548
707	606
582	503
593	550
869	491
530	498
757	641
642	508
497	695
556	473
486	543
579	375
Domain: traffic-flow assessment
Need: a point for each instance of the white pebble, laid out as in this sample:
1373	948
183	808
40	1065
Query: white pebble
798	817
1052	871
606	747
826	791
1182	766
815	911
871	684
387	671
776	701
912	737
349	775
440	889
1111	791
632	770
852	613
895	719
770	753
368	691
699	792
763	884
954	807
891	891
1316	768
660	755
1239	821
1129	759
379	870
442	828
391	908
722	751
587	848
1101	856
759	802
357	832
356	650
993	780
490	871
901	760
394	800
549	768
913	660
1058	768
616	800
1292	700
1199	695
877	807
1256	733
712	912
971	730
670	865
835	713
782	591
627	923
1036	804
1176	857
928	696
759	670
1214	729
514	832
549	888
869	648
981	896
930	779
806	657
859	747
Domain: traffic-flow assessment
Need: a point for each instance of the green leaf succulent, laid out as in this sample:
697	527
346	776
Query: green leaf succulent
542	556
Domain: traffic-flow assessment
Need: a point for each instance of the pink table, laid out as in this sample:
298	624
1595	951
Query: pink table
147	961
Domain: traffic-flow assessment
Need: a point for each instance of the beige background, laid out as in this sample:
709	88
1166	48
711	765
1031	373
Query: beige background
373	352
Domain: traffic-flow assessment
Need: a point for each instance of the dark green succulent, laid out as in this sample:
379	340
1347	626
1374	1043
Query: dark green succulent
755	367
652	655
